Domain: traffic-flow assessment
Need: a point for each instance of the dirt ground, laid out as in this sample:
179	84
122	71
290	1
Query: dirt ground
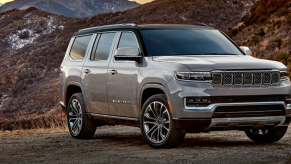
125	145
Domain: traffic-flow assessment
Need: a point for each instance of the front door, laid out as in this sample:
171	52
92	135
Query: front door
95	74
122	81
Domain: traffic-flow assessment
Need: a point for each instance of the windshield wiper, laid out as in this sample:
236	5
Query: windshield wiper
214	53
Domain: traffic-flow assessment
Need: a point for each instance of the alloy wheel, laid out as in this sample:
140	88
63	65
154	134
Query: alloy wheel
156	122
259	131
75	117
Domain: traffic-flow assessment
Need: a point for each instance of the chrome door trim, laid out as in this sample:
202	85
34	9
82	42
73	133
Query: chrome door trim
113	117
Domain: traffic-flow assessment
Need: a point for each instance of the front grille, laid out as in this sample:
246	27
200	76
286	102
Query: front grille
249	111
246	78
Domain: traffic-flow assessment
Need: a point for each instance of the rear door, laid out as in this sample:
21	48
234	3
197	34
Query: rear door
95	73
122	80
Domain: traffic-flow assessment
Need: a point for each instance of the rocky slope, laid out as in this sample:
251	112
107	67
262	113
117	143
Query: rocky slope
267	30
72	8
34	43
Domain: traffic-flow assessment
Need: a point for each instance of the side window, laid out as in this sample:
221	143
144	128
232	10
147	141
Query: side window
102	46
79	47
128	40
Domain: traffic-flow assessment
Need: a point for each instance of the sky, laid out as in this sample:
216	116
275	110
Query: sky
139	1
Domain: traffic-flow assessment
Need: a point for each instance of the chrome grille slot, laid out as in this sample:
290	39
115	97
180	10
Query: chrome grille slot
267	78
217	78
246	78
227	78
275	78
257	78
238	79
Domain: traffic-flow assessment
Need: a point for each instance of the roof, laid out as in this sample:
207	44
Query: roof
141	27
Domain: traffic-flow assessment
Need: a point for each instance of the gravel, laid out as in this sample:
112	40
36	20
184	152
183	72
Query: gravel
125	145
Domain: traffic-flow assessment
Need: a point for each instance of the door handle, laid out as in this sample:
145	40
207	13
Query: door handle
112	72
87	71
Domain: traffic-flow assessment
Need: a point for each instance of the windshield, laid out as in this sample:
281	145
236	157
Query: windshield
187	42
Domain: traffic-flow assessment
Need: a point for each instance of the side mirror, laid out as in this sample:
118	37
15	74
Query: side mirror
127	54
246	50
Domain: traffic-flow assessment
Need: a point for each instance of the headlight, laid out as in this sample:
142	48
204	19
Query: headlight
283	75
199	76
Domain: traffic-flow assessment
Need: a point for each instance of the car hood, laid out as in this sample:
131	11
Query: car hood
221	62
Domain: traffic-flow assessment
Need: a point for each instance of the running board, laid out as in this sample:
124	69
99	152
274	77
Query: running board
114	120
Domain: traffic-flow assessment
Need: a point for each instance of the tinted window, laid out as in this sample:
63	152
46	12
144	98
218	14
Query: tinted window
79	48
187	42
128	40
103	46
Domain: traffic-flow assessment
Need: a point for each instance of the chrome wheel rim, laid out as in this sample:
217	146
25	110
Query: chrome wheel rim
259	131
156	122
75	117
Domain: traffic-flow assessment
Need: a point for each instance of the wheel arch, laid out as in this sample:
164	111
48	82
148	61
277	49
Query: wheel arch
71	89
149	90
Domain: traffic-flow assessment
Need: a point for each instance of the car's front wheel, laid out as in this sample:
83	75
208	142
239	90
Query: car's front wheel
157	125
80	125
266	135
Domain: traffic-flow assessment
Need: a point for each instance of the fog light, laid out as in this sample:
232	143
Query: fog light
288	99
198	102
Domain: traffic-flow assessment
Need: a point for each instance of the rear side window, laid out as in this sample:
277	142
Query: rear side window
102	46
128	40
80	46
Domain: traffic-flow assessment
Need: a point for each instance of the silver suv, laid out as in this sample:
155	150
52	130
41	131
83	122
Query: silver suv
170	80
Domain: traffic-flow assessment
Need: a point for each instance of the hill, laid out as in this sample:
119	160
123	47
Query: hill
34	43
267	30
72	8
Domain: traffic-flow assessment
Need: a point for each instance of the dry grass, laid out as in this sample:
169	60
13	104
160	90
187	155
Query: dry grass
53	119
61	129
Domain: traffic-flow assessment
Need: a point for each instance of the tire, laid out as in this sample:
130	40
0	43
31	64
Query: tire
266	135
155	119
79	124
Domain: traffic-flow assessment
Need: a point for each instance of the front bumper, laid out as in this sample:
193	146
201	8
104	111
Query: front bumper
180	90
242	123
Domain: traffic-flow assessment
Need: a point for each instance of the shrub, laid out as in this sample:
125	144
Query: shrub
261	33
288	43
288	20
283	57
276	43
232	32
24	35
262	19
255	40
282	11
278	24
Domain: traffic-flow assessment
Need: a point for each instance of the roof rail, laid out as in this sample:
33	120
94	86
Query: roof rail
200	24
113	25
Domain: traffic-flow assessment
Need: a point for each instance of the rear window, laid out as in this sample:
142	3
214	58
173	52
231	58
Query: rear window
79	47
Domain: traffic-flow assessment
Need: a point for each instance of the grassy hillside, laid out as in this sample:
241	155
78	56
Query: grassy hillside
267	30
34	43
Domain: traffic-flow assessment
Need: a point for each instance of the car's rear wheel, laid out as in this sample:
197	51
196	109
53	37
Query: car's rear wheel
157	125
266	135
80	125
